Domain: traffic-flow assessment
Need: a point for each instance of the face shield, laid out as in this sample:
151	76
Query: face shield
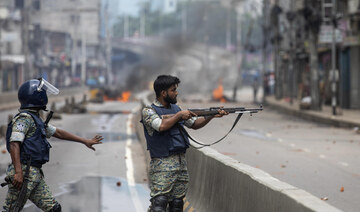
48	87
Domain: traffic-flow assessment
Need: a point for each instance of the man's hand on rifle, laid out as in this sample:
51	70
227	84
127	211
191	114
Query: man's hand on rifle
221	113
18	180
186	114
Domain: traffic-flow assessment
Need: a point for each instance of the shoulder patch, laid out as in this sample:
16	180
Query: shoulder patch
20	126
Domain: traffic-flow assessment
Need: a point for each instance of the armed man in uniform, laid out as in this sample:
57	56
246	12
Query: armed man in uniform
29	149
167	145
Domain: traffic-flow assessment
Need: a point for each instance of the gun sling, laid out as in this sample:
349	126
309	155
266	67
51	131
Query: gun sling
183	131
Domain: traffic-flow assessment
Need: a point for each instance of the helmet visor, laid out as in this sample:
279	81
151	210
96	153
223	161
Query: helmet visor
48	87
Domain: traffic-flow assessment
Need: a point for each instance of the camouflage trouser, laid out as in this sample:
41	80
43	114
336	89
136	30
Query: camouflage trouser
37	190
169	176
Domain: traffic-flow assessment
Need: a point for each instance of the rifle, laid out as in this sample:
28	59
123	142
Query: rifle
20	201
48	117
7	181
214	110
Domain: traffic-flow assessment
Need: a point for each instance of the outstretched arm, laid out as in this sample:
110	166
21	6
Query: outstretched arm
169	121
64	135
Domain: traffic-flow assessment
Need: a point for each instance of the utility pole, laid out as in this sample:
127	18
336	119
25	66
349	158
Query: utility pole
313	43
291	18
278	83
184	20
142	21
25	22
237	52
333	59
108	48
228	29
4	13
264	53
75	22
126	26
83	55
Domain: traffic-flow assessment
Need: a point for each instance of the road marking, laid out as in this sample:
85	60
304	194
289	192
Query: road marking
306	150
130	169
343	163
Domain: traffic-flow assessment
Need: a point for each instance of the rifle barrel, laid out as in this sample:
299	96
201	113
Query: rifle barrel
214	110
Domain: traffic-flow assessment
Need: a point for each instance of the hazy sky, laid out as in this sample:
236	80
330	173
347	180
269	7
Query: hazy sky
130	7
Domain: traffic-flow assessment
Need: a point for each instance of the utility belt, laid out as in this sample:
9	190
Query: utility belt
33	164
171	153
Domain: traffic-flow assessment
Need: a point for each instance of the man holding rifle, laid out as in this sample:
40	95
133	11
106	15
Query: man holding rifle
163	122
26	141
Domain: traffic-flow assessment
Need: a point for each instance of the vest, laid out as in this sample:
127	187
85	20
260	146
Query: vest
37	147
166	143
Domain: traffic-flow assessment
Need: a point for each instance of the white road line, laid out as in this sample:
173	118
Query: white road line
3	146
130	169
306	150
343	163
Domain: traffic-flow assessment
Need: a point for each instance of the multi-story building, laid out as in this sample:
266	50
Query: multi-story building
74	25
11	46
347	49
349	62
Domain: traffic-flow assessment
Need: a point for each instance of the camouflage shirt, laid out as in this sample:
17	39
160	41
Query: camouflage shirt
152	120
24	126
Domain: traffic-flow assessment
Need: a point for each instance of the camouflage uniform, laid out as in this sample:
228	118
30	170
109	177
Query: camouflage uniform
168	176
37	191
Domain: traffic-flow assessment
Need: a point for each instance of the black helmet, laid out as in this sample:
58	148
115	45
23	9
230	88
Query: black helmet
32	94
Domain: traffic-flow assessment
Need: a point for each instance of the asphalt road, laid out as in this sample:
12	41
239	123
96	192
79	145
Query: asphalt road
320	159
112	178
317	158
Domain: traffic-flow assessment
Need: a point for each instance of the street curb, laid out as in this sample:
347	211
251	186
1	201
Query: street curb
314	116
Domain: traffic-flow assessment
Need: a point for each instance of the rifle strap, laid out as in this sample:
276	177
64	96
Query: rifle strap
183	131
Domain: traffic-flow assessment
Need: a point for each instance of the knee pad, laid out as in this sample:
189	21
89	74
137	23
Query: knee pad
56	208
159	204
176	205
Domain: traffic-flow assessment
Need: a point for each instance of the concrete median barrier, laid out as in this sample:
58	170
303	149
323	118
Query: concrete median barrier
219	183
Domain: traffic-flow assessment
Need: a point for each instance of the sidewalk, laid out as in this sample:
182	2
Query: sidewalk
9	100
348	118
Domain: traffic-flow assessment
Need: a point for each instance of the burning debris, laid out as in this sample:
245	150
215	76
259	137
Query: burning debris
218	93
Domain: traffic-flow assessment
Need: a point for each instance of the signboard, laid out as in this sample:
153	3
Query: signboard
326	34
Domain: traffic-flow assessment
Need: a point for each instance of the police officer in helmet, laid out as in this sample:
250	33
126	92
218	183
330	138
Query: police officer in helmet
26	141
